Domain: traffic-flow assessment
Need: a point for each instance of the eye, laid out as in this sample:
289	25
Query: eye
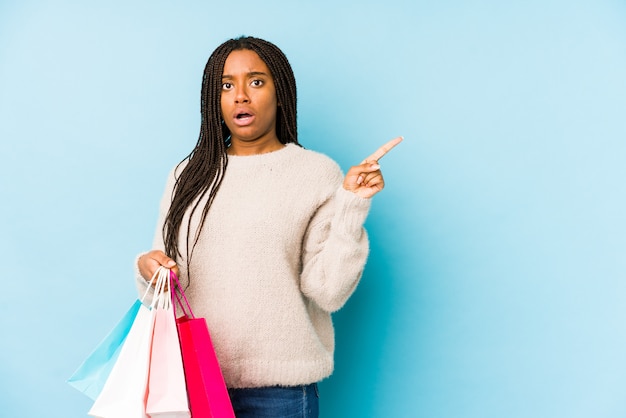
257	83
227	86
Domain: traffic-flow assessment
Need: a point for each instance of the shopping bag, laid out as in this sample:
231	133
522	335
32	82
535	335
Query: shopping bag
125	391
167	393
90	376
208	396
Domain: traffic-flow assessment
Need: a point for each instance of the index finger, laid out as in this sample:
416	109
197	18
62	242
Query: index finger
380	152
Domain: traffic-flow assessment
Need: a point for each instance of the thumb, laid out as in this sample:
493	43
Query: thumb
162	259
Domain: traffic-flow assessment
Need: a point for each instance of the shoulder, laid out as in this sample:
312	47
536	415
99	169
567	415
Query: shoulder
315	162
315	174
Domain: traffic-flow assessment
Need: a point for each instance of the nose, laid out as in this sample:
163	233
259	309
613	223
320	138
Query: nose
241	95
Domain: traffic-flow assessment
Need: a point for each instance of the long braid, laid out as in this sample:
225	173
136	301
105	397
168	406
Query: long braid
207	163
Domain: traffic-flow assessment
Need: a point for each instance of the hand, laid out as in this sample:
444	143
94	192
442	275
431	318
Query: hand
150	262
366	179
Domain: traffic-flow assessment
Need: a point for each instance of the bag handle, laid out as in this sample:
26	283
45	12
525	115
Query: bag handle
179	289
163	301
150	283
159	288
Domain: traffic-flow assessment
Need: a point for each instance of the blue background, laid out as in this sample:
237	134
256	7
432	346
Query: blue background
496	283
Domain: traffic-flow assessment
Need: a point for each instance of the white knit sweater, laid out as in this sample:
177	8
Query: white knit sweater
282	247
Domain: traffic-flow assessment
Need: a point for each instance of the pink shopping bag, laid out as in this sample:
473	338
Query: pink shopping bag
167	393
208	396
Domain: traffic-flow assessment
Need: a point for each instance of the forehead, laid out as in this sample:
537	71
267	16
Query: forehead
244	61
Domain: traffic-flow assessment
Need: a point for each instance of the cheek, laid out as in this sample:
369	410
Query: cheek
223	107
271	104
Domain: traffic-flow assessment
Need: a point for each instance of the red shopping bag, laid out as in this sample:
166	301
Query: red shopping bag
208	396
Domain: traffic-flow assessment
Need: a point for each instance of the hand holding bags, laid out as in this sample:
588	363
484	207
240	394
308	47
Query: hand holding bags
157	356
208	396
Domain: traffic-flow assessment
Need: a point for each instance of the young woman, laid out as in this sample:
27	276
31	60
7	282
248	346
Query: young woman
267	236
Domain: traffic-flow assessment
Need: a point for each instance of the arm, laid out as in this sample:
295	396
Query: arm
335	247
335	250
147	263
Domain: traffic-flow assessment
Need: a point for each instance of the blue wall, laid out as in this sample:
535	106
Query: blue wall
496	282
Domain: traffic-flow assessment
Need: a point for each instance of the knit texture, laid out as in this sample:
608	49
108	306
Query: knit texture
282	247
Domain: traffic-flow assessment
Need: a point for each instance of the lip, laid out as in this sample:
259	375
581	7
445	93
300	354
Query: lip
246	120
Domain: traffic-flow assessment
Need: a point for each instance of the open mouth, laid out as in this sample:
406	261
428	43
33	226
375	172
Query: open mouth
243	118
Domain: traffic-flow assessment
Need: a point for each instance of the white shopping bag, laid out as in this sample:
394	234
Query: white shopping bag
125	391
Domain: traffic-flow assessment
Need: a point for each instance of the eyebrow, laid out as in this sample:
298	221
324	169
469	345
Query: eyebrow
250	74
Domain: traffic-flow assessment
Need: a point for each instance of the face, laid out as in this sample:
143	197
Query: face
248	99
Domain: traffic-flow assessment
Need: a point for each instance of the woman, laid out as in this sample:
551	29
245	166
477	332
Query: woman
267	236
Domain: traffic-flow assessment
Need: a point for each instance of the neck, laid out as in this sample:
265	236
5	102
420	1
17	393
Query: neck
253	148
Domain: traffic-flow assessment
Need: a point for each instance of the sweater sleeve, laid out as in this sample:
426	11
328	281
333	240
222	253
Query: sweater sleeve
157	243
335	250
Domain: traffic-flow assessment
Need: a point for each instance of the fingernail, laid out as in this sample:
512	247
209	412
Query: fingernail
170	263
359	180
375	166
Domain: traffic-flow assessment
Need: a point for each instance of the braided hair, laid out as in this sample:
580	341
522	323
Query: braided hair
207	162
